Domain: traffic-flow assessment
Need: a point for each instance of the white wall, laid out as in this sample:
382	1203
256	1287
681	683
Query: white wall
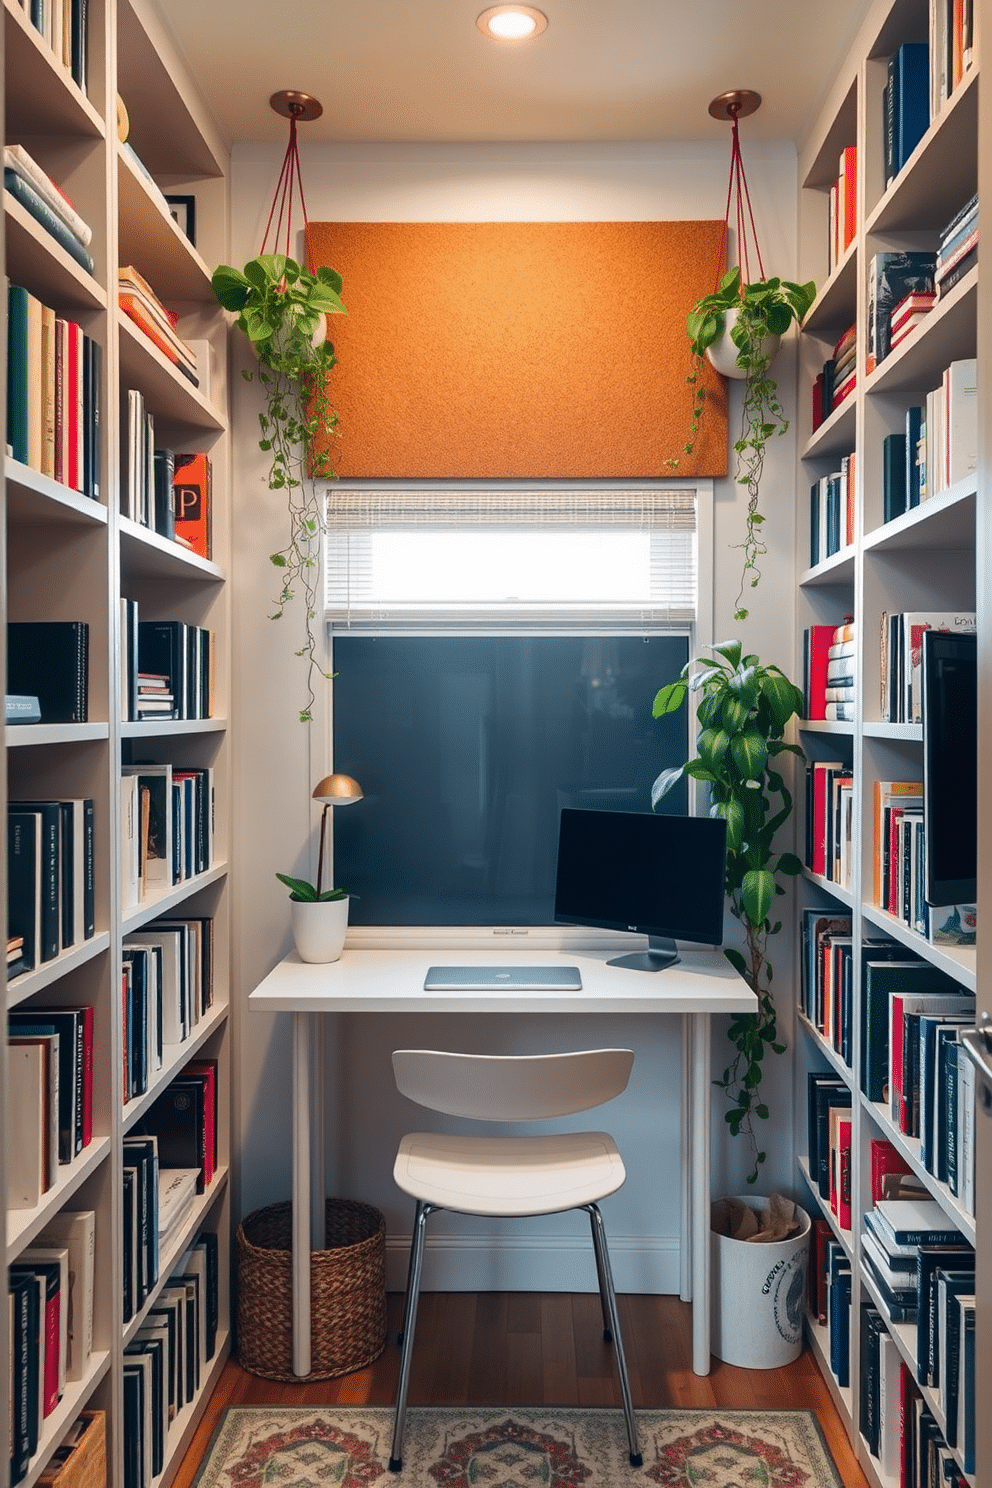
277	759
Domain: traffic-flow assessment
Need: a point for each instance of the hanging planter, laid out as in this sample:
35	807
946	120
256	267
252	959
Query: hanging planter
282	308
738	327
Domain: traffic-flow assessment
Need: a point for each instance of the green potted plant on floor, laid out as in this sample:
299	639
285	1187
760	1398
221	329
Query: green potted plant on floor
739	327
742	711
283	309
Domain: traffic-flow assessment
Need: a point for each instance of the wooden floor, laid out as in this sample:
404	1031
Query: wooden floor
535	1348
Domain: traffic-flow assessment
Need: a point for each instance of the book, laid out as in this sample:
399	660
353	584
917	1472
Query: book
193	502
35	204
894	494
909	80
49	659
27	1081
904	1007
17	159
24	853
915	1222
76	1230
891	276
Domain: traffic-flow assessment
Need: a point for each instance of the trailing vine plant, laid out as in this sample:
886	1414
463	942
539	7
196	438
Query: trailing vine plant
761	309
282	310
742	711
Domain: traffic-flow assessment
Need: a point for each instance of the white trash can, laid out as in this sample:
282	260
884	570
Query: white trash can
758	1296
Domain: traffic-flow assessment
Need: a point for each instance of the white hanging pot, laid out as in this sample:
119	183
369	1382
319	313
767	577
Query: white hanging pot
283	336
723	353
319	928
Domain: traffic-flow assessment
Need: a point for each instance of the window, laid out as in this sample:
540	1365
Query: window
503	558
495	654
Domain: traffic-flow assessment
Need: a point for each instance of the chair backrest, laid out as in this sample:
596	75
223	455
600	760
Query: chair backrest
516	1087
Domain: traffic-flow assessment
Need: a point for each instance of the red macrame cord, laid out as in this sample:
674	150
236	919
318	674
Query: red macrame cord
290	179
738	197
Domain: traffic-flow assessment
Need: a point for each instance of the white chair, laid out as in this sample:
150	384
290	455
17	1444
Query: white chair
510	1176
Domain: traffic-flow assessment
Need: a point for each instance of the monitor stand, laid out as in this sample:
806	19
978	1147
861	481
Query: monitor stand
661	952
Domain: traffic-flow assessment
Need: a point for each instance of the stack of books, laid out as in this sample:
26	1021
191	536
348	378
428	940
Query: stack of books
843	206
64	26
908	313
139	301
829	653
891	277
901	657
53	393
24	178
837	379
957	252
952	28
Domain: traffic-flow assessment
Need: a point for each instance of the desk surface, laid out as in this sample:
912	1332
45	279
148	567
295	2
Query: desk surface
392	981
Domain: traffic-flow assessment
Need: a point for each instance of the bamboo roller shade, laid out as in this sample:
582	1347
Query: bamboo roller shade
524	349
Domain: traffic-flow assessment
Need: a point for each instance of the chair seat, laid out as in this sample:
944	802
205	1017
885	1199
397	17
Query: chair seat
509	1175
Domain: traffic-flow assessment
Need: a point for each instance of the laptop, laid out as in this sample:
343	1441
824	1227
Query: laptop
514	978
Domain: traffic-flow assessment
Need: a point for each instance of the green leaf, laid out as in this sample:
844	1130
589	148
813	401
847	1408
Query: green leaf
730	650
230	286
732	813
301	891
664	783
758	894
789	863
735	714
668	699
749	753
712	746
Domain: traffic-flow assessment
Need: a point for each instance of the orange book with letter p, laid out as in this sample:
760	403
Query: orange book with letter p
192	498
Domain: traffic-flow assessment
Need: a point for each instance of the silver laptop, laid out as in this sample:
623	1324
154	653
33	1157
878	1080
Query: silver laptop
514	978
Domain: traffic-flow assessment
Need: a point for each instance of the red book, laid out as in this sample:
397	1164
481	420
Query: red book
817	642
884	1159
849	197
817	401
821	780
193	500
73	399
844	1176
206	1069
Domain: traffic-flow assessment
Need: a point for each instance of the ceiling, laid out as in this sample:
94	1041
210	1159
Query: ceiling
420	70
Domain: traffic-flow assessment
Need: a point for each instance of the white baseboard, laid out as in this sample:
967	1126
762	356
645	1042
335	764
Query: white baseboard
496	1263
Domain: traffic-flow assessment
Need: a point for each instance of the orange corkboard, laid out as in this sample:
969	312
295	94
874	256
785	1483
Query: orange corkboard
525	349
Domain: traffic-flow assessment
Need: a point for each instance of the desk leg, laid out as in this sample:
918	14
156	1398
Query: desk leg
701	1102
685	1149
301	1193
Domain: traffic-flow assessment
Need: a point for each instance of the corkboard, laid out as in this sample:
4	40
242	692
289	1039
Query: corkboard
525	349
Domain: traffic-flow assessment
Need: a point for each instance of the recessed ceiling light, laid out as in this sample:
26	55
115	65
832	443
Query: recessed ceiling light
512	22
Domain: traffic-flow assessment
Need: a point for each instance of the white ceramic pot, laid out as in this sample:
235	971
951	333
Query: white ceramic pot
723	352
319	929
758	1297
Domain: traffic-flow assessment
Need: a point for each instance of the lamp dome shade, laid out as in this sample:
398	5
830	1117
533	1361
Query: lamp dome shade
338	790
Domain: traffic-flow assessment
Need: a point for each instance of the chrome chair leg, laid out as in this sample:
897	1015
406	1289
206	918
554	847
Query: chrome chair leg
409	1325
606	1275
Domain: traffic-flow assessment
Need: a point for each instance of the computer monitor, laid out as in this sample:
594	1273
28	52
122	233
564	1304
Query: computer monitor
661	876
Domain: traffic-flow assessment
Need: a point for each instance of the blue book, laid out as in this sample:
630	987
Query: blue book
814	499
914	1222
894	493
49	220
17	371
914	420
966	1412
930	1260
911	104
839	1311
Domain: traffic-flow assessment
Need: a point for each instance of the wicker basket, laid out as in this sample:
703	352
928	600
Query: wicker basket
347	1291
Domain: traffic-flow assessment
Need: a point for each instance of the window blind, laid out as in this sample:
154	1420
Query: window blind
450	558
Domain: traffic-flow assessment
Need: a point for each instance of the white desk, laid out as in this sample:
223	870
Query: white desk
374	981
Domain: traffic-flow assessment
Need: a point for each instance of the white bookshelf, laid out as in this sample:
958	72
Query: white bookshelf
67	556
924	558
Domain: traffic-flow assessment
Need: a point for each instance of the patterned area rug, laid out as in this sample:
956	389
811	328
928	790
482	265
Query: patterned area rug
502	1447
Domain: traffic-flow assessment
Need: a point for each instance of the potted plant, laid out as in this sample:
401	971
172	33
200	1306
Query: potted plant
739	327
742	709
319	918
282	309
